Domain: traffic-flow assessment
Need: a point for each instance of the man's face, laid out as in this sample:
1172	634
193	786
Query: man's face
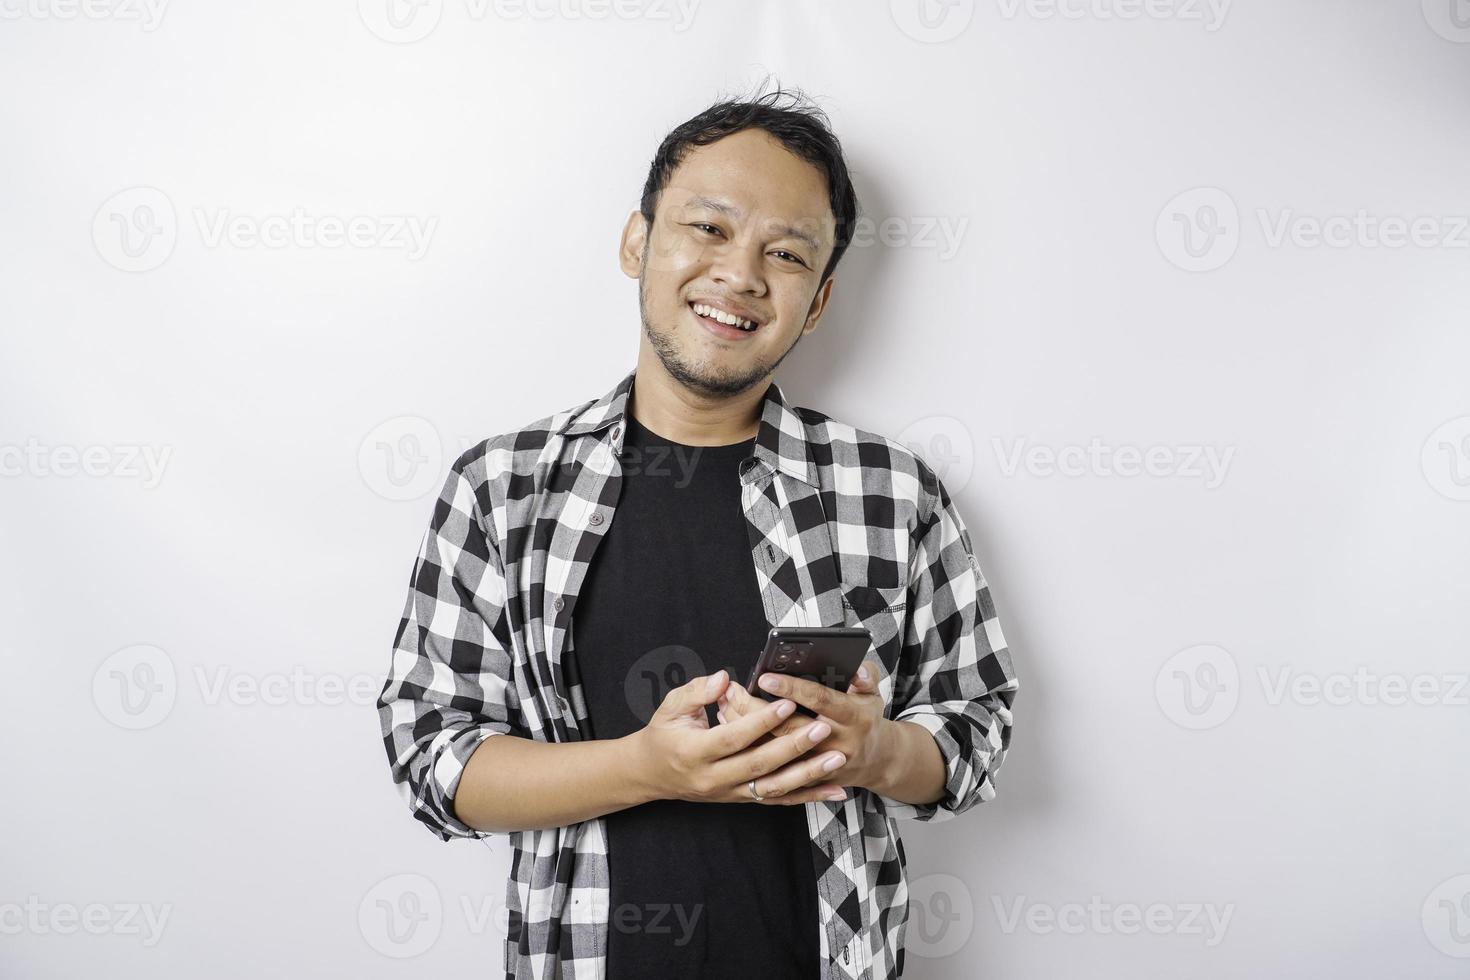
743	229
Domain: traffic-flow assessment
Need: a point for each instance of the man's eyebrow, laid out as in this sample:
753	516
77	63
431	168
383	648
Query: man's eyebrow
782	230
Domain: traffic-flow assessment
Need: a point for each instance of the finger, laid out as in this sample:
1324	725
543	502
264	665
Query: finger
799	774
821	793
818	697
698	692
865	681
770	755
724	741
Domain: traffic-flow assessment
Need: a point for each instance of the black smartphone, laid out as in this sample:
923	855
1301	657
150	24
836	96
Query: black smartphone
829	655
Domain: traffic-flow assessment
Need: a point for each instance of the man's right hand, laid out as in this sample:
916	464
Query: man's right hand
682	758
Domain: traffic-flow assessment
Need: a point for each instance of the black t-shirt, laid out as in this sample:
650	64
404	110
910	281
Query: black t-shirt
708	890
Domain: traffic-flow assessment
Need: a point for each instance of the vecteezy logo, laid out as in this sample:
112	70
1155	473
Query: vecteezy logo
401	21
1450	19
136	229
399	460
1445	459
401	916
657	672
1199	230
941	916
1446	917
1198	687
135	688
944	443
932	21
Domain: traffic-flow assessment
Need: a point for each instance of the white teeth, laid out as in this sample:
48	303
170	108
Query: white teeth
728	319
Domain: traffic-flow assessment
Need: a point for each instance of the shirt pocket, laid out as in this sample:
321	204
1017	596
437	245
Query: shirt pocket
881	611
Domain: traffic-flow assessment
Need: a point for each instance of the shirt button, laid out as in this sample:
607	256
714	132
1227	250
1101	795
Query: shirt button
557	603
617	431
595	520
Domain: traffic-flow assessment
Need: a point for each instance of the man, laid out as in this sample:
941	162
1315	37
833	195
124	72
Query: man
649	839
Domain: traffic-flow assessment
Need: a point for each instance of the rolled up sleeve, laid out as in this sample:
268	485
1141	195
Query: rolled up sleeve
448	687
954	677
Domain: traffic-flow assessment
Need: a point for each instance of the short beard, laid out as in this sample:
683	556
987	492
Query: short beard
686	374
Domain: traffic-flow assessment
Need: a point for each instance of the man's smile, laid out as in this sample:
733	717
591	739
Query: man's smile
725	319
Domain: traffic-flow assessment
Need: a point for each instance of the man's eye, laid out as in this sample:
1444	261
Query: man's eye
706	227
782	254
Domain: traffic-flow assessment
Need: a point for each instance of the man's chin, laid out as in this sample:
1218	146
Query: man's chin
713	383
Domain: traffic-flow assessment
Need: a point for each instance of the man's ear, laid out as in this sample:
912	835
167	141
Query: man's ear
819	305
630	251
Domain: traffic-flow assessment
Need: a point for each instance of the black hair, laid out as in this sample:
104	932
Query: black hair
791	119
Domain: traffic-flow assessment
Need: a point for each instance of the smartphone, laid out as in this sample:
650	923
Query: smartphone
829	655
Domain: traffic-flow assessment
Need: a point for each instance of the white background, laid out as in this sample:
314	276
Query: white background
1154	617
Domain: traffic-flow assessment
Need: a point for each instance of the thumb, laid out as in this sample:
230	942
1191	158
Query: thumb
702	690
865	681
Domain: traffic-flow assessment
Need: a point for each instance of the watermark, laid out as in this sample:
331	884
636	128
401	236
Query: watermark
407	21
147	14
932	21
672	919
1201	686
138	686
404	915
401	916
1205	921
653	675
401	21
1198	687
137	229
142	920
113	462
944	443
1363	229
1445	459
1363	686
1207	464
1446	917
1201	230
408	233
943	234
1208	13
1450	19
297	686
400	458
941	916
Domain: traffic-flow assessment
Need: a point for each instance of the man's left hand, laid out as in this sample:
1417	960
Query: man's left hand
859	730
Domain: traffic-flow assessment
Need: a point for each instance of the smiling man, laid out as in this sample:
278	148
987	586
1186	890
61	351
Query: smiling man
664	822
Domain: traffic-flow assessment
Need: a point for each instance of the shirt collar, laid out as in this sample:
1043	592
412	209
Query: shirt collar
780	442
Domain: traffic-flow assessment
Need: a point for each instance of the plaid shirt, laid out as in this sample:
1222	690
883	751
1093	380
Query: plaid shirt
848	528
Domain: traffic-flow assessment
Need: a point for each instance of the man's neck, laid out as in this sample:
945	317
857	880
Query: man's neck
672	411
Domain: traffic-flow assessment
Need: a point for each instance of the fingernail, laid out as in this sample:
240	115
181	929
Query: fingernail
819	731
837	796
862	673
833	762
785	708
713	684
770	682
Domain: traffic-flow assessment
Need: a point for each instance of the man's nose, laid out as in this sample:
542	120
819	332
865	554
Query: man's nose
737	266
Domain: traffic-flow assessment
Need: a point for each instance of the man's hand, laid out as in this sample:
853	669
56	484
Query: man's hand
681	757
859	732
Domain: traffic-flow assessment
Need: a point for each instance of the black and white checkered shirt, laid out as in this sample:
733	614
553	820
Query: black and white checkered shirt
851	528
